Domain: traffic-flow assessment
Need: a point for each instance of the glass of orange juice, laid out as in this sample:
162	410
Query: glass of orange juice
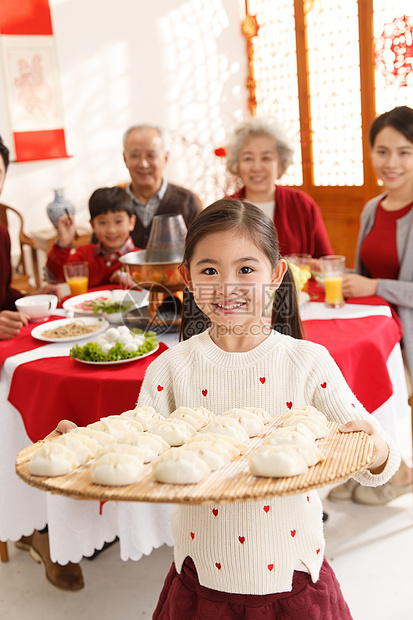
332	268
77	277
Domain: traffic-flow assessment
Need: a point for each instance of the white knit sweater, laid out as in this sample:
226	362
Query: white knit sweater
253	547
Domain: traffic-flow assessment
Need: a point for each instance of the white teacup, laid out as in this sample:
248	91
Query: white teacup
37	307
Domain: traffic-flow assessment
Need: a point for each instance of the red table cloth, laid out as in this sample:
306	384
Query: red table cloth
21	343
360	348
51	389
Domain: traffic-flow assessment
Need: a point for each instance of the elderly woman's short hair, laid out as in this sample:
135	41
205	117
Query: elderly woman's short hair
160	130
259	126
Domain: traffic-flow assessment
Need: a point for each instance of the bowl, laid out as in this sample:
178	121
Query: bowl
37	307
157	277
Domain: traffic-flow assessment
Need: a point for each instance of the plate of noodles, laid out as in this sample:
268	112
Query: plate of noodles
70	330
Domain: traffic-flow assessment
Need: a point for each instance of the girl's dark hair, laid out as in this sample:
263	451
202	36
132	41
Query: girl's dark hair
108	199
250	221
400	118
4	154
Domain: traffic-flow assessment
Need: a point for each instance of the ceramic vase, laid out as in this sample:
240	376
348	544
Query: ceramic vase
60	206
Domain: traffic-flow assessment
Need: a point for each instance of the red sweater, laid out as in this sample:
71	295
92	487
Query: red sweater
99	270
299	223
8	295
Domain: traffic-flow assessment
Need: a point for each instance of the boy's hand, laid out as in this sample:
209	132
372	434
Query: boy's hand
66	230
382	449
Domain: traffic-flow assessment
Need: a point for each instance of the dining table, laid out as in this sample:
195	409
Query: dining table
40	385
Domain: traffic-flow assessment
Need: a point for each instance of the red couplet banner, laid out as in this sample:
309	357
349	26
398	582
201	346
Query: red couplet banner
32	79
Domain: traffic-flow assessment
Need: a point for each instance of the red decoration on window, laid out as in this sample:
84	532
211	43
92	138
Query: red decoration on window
220	152
393	55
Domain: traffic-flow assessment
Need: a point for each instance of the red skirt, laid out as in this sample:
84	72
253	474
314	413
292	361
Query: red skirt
183	598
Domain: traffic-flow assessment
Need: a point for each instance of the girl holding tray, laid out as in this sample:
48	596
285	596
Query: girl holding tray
253	558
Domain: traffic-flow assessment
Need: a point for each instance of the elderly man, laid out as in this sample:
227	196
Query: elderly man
145	152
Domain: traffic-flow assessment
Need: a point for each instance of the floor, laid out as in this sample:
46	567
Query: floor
370	550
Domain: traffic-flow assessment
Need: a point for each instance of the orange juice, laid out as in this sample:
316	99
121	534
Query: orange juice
334	291
78	285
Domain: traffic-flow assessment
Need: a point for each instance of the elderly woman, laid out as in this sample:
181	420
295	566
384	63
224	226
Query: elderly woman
259	152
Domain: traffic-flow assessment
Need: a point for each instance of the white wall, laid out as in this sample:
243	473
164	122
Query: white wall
179	63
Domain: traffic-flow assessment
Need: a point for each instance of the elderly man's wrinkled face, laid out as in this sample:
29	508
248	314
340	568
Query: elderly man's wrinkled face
145	158
2	173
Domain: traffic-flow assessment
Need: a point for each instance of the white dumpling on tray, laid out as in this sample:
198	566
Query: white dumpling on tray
179	466
116	469
190	416
114	426
225	425
207	414
317	427
234	447
147	416
261	413
252	423
214	454
131	423
102	438
308	410
151	445
290	435
123	448
277	462
83	447
52	459
174	432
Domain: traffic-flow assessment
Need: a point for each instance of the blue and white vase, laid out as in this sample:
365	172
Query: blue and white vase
60	206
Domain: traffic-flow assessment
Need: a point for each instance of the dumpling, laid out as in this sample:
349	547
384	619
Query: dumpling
52	459
190	416
179	466
151	445
147	416
234	447
174	432
133	424
116	427
225	425
214	454
288	435
83	447
308	410
277	462
207	414
116	469
248	420
123	448
313	424
102	438
261	413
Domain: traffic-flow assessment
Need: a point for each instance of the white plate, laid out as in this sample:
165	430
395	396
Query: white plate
140	298
39	329
130	359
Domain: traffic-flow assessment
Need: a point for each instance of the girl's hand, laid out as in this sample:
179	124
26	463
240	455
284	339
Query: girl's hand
66	230
355	285
382	449
64	426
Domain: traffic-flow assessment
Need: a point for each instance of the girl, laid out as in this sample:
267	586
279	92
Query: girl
257	558
384	262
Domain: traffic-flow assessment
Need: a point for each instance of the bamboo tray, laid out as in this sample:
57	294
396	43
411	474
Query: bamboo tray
346	454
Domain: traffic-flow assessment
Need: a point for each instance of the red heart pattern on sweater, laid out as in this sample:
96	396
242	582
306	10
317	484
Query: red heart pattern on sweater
204	392
323	385
317	551
308	499
218	565
262	379
192	535
266	508
159	388
215	511
293	533
289	404
241	539
270	567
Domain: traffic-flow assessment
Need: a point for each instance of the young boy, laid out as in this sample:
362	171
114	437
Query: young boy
112	219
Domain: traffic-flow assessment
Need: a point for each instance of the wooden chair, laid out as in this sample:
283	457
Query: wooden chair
4	555
20	275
